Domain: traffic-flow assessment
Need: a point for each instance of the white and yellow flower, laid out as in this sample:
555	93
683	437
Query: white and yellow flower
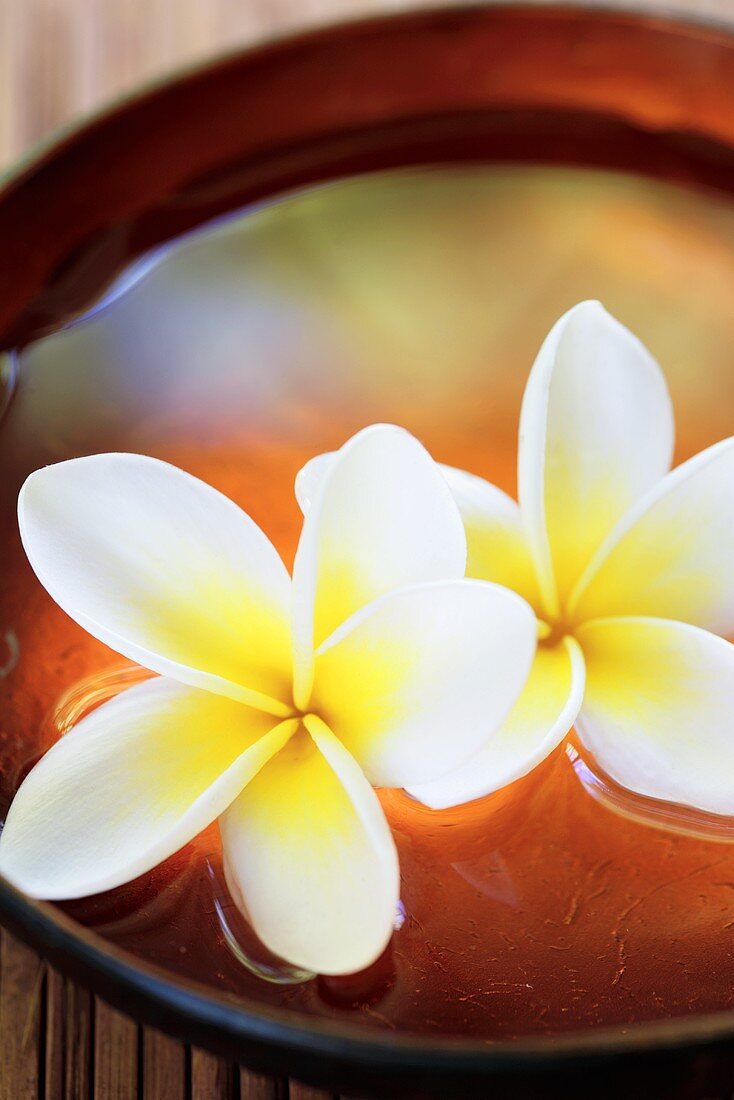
630	569
277	703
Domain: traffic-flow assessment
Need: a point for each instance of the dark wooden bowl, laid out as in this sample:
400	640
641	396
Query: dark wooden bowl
549	85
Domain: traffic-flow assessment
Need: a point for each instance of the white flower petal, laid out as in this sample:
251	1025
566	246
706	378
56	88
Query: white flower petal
165	570
383	517
658	713
537	724
497	546
596	432
308	855
671	556
309	478
130	785
415	683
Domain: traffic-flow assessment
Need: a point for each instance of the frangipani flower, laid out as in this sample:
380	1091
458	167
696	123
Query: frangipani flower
277	703
629	567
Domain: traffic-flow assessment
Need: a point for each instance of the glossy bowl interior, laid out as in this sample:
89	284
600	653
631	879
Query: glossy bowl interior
447	183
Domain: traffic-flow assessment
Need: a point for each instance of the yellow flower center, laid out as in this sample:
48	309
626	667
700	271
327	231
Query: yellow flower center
551	634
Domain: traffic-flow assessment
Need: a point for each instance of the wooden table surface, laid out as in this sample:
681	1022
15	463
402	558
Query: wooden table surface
60	59
58	1042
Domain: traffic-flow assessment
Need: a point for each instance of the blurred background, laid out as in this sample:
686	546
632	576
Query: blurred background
62	58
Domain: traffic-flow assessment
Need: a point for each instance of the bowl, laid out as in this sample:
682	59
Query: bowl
618	127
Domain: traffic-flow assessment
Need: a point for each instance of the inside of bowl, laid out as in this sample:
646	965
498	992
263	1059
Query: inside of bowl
418	297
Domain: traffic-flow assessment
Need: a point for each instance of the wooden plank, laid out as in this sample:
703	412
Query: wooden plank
59	58
55	1037
164	1067
21	992
211	1078
254	1086
79	1011
115	1054
68	1038
306	1092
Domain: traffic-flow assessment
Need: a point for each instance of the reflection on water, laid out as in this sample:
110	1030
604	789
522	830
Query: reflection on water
245	946
393	297
490	874
648	811
419	297
85	696
10	654
8	377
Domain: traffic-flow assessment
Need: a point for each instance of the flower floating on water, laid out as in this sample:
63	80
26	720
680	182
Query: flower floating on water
277	703
630	569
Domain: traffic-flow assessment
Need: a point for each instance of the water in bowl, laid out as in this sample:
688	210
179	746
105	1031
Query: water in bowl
418	297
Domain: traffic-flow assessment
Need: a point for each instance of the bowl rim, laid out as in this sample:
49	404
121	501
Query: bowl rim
259	1035
166	1000
34	155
